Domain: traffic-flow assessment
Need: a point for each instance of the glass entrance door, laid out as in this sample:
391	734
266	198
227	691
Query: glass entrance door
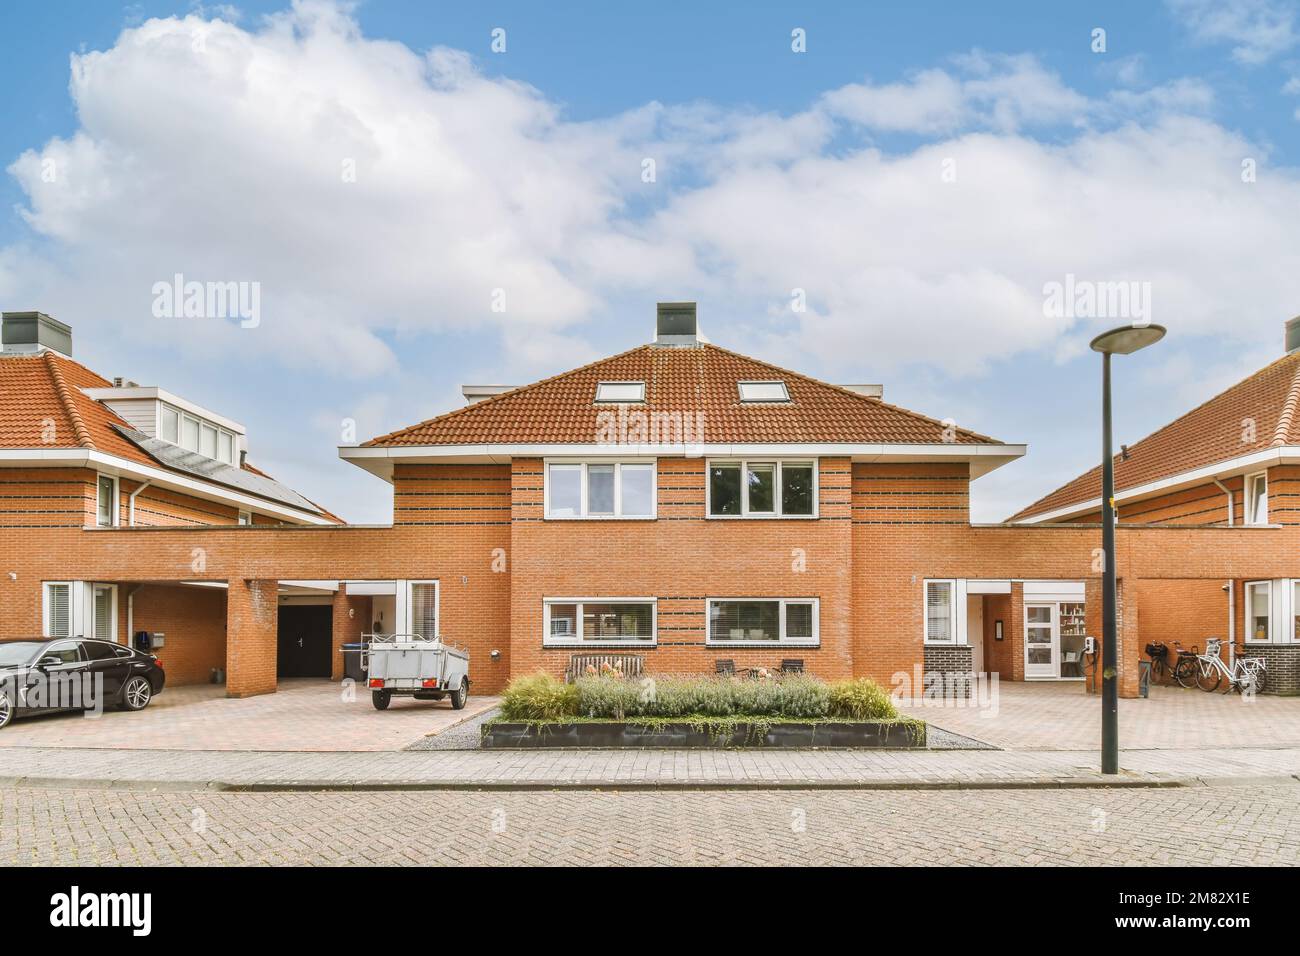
1042	641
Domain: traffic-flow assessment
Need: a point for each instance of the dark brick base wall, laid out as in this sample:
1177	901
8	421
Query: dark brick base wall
1283	663
955	663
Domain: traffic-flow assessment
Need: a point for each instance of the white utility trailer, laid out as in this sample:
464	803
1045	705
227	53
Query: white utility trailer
409	665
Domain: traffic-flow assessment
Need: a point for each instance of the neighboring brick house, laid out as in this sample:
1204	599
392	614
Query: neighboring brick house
1233	461
80	451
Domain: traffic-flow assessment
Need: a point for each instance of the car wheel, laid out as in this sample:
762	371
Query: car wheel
6	709
381	699
460	695
137	693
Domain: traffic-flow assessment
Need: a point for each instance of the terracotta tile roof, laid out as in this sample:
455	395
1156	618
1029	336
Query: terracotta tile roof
1209	433
38	392
563	410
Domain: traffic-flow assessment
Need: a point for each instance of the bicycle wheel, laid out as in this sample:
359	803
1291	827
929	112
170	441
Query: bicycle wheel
1185	672
1208	677
1158	670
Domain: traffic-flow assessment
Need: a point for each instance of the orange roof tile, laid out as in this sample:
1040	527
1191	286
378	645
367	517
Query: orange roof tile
563	410
1213	432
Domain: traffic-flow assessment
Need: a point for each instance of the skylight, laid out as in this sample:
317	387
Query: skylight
763	392
620	392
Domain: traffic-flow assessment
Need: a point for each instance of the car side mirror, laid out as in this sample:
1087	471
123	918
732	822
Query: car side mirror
49	660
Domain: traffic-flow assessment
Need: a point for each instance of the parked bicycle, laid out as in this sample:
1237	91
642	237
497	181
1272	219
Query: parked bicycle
1247	675
1182	671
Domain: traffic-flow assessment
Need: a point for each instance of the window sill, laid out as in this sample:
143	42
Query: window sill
600	518
579	645
945	644
761	517
789	645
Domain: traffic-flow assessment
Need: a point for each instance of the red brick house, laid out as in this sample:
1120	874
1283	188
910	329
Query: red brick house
1233	461
679	502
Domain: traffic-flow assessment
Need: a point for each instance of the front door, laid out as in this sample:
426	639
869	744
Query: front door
305	640
1042	641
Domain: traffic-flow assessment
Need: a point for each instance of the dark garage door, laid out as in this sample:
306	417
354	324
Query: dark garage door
305	640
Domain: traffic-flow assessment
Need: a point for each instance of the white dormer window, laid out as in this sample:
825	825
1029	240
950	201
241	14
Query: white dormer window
1257	498
763	392
197	434
620	392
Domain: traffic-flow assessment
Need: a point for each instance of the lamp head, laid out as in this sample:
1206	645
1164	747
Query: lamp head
1127	339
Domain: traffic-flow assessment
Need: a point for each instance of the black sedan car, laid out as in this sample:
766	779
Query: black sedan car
74	673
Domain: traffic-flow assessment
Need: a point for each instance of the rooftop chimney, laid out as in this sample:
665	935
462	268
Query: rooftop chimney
675	325
1293	335
476	393
34	332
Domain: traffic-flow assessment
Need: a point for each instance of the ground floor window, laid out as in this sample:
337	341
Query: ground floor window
1258	601
576	621
57	611
422	608
940	612
741	621
105	612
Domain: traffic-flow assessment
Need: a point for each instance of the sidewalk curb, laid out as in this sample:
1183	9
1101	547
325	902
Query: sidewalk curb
338	786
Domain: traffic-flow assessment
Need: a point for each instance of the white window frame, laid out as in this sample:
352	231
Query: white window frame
785	392
618	464
745	514
1251	516
408	624
1248	633
45	608
640	397
575	640
959	594
201	423
782	640
116	514
112	612
245	518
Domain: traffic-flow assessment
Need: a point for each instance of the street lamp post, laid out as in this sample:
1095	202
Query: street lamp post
1121	341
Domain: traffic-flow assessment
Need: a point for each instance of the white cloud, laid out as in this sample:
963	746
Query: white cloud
1258	30
217	151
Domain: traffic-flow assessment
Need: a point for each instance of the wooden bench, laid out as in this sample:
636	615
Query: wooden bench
629	665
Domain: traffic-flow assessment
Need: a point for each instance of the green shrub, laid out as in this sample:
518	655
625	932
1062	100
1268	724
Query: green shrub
861	699
616	698
539	697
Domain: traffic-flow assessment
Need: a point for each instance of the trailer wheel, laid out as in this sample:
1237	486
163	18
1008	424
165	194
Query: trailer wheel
381	699
460	695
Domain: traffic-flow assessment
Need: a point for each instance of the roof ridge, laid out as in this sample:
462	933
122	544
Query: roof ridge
64	392
518	390
1283	430
857	395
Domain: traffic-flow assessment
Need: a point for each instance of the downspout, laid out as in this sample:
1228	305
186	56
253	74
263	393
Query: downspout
1227	491
131	503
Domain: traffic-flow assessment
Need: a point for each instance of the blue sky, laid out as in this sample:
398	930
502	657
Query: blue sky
208	141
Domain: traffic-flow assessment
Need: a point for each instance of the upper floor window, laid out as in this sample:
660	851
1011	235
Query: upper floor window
619	489
106	515
763	391
620	392
1257	498
762	489
197	435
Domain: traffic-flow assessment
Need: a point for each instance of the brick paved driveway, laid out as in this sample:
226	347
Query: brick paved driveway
310	715
1060	716
1229	826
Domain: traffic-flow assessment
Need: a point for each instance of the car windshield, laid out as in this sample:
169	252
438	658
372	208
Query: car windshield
17	652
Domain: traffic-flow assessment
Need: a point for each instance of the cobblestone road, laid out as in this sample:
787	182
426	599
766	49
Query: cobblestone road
1207	825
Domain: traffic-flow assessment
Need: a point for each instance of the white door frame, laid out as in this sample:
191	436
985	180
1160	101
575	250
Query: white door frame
1052	669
